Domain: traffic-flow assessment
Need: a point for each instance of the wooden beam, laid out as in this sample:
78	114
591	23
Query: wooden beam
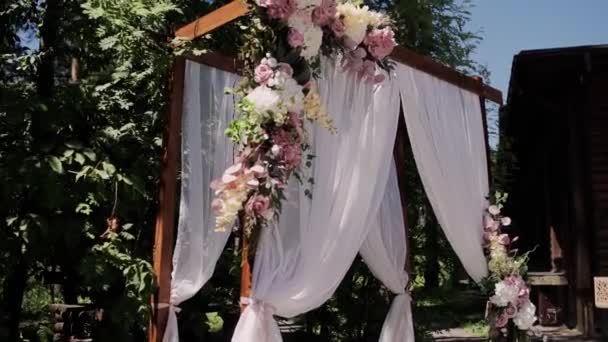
237	9
165	220
445	73
213	20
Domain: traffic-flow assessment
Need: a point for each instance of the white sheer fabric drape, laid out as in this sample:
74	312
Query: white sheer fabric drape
206	153
299	264
446	132
384	252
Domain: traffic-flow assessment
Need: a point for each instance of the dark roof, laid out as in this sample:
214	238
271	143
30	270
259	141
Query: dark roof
548	68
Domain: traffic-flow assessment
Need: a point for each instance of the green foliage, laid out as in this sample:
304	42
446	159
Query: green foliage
77	154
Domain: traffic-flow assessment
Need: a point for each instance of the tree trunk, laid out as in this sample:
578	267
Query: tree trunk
13	291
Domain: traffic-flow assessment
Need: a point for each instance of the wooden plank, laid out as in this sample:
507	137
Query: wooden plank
213	20
165	220
236	9
218	61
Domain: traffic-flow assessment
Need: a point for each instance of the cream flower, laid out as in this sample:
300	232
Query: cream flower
356	21
314	111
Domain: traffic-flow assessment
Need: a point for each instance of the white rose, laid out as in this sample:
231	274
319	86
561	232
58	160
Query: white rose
494	210
525	317
313	38
504	294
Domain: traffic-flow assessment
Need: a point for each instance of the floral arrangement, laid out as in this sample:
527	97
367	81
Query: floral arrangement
278	94
510	313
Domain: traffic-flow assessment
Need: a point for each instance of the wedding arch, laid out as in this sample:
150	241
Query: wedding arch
358	202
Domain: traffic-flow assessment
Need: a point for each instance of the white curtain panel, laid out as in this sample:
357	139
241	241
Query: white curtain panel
446	132
384	252
206	153
300	263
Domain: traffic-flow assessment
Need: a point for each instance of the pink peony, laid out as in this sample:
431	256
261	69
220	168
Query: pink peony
337	26
380	42
295	38
323	14
279	9
501	320
263	73
261	205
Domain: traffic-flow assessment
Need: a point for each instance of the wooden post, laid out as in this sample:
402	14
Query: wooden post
399	154
165	220
484	121
245	265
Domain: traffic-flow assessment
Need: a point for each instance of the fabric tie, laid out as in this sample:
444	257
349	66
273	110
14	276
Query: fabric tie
171	332
257	323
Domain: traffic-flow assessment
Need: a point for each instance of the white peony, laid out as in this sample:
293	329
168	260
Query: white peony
313	35
264	99
526	316
356	20
292	96
308	3
504	294
313	38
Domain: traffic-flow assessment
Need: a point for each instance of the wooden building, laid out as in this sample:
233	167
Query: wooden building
556	118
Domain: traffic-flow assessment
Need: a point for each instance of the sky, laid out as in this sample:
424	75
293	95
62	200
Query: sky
510	26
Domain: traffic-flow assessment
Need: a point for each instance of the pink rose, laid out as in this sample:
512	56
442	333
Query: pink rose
511	311
285	68
260	205
292	155
323	14
295	38
279	9
337	26
501	320
380	42
488	236
504	239
263	73
217	205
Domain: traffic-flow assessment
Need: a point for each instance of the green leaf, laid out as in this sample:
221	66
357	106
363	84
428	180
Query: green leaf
84	208
55	164
103	174
90	154
109	168
79	158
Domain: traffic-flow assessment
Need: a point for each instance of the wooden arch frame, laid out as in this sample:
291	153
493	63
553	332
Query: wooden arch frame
165	220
